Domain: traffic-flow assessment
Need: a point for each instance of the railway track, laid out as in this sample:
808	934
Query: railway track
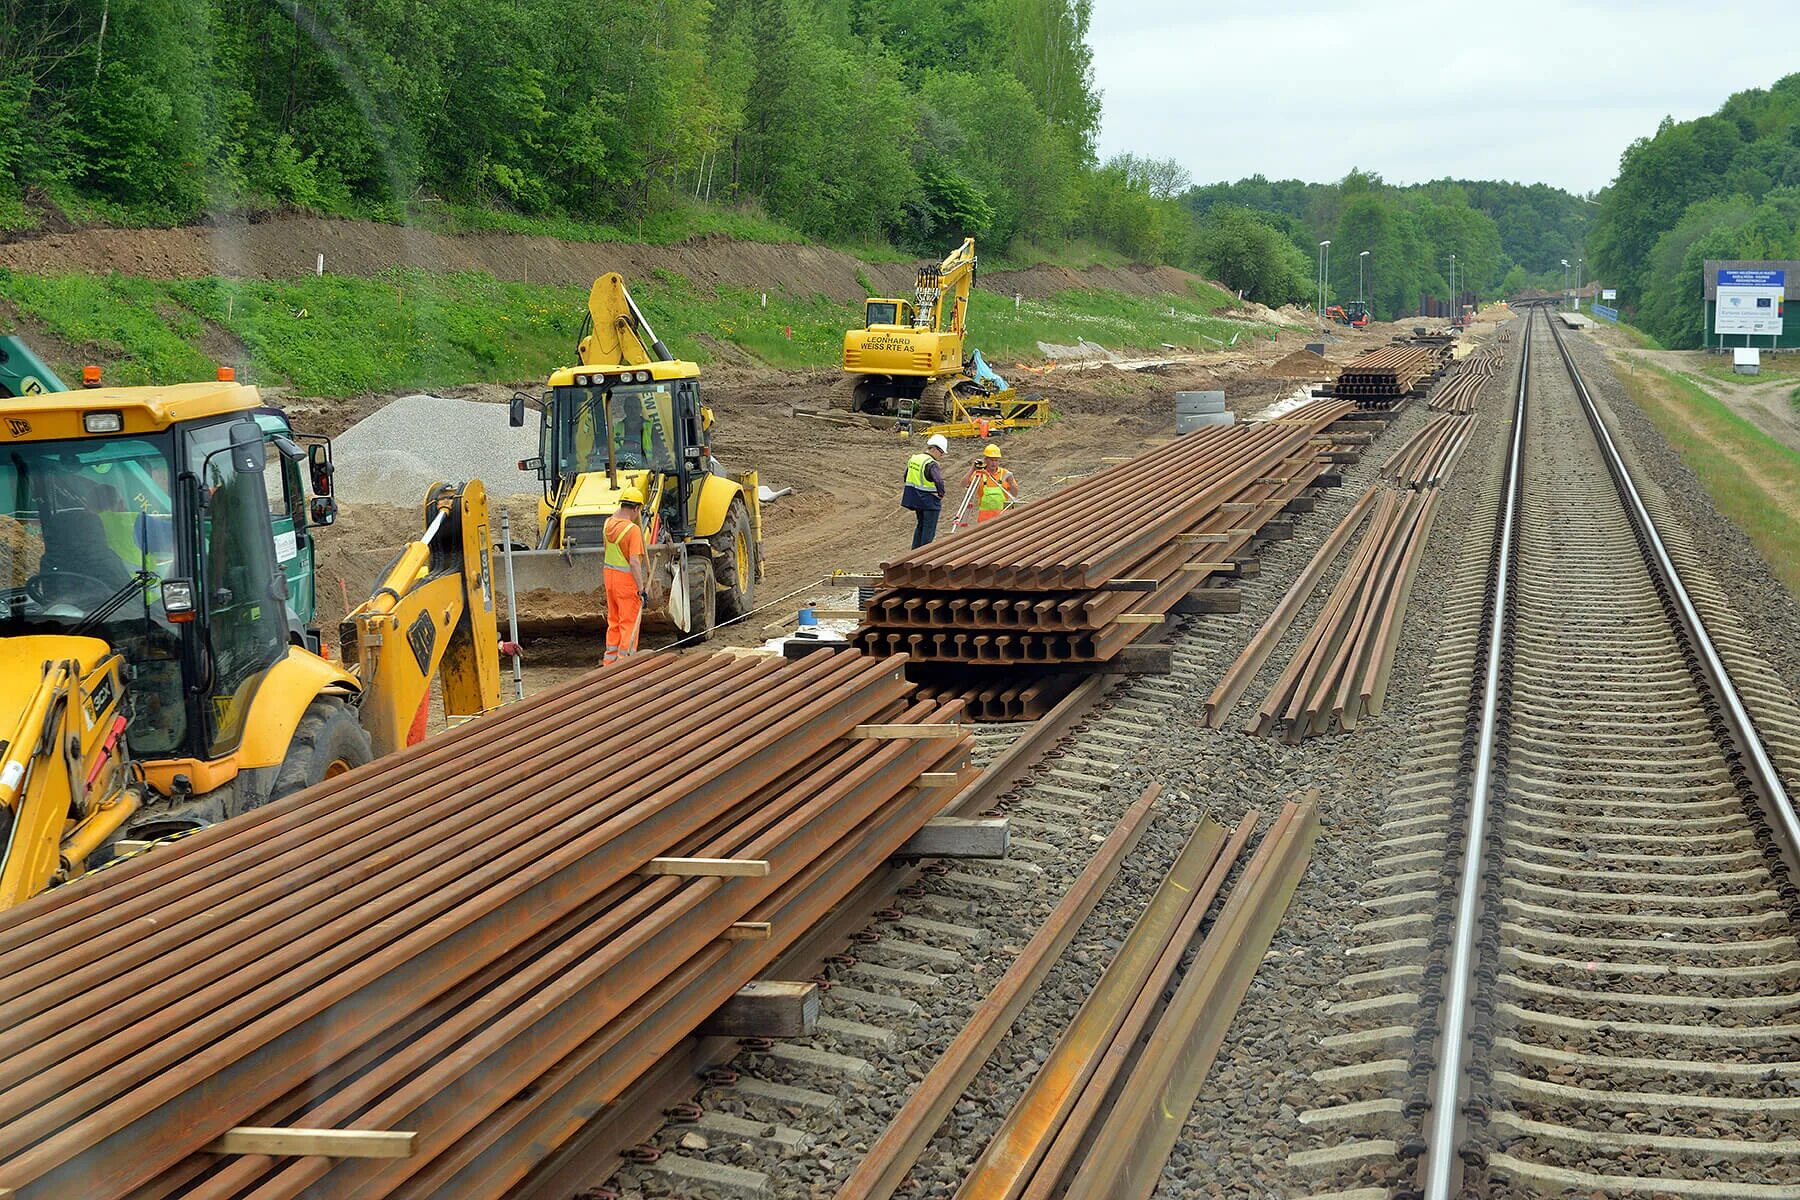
1579	968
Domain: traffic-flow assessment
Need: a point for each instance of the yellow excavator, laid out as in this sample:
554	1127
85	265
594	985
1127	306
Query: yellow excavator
908	358
159	669
629	415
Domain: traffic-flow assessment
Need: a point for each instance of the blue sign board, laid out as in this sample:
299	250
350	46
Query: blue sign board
1752	278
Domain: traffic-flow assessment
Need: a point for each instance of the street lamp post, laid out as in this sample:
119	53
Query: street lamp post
1324	260
1455	308
1578	264
1362	264
1565	276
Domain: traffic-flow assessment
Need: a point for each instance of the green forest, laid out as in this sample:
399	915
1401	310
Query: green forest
910	122
1263	236
1724	186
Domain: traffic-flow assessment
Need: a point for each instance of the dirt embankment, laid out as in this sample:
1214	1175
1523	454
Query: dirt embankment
287	247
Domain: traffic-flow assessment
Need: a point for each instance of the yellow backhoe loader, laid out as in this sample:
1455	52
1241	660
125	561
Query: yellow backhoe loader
630	416
909	360
159	669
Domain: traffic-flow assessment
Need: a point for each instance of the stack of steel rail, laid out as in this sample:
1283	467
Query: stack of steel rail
1073	579
1379	379
1340	670
1428	457
481	941
1460	390
1100	1118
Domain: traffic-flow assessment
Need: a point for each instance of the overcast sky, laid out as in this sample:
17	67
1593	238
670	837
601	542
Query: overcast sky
1236	88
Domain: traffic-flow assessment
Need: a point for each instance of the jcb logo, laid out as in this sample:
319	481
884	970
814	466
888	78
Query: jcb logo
18	426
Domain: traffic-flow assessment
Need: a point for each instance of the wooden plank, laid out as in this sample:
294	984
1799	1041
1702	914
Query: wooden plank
1116	459
959	837
1157	658
850	580
747	931
1238	506
313	1143
906	731
940	779
1138	619
775	1008
1207	600
706	867
1211	565
1201	539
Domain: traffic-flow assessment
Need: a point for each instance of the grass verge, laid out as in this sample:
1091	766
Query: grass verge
337	335
1753	480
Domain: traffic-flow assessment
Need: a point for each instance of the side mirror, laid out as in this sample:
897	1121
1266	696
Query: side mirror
322	511
249	454
515	412
318	458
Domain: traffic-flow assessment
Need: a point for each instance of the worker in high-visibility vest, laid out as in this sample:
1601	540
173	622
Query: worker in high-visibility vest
924	491
998	487
627	576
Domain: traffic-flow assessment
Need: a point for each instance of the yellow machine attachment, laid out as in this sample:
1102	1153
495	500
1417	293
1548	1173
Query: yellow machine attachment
65	776
431	614
630	416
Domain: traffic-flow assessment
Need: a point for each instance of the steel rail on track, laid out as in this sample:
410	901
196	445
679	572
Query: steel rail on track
1440	1165
1777	805
1440	1142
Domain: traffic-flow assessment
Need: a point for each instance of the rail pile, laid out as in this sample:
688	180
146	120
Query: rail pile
1459	392
1427	458
1070	581
1381	378
1100	1118
479	942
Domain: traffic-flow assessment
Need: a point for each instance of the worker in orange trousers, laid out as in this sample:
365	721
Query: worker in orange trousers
627	576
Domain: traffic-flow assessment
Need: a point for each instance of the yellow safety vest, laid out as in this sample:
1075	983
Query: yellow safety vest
615	546
915	472
993	489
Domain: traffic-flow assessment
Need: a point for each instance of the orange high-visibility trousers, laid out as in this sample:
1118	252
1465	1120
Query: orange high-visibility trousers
986	514
624	607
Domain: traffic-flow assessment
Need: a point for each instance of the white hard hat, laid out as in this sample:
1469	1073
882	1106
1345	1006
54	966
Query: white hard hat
938	441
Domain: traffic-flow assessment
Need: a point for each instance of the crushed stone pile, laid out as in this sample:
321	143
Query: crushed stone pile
394	454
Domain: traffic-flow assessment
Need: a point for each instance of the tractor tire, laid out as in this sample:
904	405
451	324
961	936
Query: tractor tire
734	563
328	742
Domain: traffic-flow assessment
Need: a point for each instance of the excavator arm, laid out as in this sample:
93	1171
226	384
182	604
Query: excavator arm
65	781
949	283
432	614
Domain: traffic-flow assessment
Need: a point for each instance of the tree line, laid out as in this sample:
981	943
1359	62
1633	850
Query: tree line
1263	236
1725	186
912	121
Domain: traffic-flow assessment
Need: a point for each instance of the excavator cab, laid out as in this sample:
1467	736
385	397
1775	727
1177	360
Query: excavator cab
883	312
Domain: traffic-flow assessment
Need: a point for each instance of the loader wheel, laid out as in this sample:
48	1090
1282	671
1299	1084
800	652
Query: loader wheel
734	563
327	743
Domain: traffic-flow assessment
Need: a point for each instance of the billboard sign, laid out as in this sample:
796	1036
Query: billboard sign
1750	301
1609	293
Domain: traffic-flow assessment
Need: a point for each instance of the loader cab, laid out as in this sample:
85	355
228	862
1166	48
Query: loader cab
607	421
150	519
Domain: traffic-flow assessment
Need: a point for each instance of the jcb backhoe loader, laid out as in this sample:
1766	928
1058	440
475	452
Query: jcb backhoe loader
159	669
909	360
630	416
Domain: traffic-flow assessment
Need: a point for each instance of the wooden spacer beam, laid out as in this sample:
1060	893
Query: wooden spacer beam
312	1143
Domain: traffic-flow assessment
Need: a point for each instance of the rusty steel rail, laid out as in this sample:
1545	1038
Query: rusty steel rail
1381	378
1427	458
889	1161
1023	695
1340	671
1089	533
1123	1158
1460	391
1256	652
1036	1143
458	940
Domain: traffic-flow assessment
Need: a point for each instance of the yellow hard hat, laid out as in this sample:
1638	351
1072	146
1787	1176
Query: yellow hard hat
992	451
631	496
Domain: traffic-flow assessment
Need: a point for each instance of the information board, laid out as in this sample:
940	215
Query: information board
1750	301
